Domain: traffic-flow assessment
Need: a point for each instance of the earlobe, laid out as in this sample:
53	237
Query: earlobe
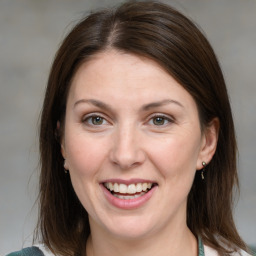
63	152
65	165
62	146
209	142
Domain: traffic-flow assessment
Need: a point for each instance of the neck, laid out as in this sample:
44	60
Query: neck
172	243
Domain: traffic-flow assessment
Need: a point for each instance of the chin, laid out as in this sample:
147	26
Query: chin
130	234
130	228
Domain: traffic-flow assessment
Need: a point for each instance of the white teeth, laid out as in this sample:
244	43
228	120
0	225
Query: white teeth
110	186
123	188
128	189
116	187
128	197
139	187
144	186
131	189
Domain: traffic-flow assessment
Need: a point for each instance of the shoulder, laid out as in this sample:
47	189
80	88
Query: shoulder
37	250
208	251
29	251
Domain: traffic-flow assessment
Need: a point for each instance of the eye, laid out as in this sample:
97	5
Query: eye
160	120
95	120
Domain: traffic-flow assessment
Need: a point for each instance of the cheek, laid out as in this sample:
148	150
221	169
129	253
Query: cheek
85	158
85	154
176	156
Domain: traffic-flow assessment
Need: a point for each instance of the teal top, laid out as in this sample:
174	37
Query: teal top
200	247
35	251
30	251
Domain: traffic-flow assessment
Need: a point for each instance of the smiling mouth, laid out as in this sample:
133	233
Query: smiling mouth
131	191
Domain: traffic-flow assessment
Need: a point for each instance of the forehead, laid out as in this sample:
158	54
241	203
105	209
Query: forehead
115	74
113	63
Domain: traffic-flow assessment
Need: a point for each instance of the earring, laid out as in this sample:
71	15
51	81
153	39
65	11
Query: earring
202	172
65	166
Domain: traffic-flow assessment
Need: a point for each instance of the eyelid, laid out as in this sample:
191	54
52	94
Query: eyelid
85	117
95	114
166	117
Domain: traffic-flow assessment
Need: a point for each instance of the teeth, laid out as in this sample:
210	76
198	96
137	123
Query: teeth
123	188
130	189
144	186
128	197
116	187
139	187
110	186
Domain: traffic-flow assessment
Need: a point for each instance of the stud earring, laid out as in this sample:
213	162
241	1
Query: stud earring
202	172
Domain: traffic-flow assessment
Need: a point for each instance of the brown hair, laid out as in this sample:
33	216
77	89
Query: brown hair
163	34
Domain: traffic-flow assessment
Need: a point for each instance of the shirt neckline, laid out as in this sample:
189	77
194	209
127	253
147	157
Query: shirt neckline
200	247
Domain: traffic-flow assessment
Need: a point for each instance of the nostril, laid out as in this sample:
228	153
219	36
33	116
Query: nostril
127	155
126	164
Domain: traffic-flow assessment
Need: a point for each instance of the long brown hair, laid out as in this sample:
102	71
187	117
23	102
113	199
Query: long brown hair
163	34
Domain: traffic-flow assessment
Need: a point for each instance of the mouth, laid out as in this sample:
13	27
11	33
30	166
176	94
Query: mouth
129	191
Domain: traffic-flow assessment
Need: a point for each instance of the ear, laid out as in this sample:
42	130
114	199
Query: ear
62	145
62	142
209	143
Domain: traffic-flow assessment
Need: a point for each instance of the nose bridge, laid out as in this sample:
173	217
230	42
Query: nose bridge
127	148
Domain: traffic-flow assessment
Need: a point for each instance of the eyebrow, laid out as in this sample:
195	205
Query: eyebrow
94	102
160	103
145	107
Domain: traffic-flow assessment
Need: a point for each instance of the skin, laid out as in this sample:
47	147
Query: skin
128	143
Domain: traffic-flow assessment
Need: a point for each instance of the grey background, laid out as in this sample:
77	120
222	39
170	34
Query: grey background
30	32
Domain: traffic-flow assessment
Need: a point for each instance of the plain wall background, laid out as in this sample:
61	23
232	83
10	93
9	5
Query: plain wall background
30	32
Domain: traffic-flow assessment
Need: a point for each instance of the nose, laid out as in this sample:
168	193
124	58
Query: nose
127	149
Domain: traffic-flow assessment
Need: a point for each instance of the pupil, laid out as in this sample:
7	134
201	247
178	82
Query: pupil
97	120
159	121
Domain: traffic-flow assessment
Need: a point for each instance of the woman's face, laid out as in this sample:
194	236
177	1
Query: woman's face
132	144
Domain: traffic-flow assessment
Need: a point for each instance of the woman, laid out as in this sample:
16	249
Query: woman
138	150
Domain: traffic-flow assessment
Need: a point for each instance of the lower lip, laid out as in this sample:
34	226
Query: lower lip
128	204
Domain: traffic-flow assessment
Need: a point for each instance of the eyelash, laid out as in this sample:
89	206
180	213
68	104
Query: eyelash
164	117
89	120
